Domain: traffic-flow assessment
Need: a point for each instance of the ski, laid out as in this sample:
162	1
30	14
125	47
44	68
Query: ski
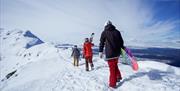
91	37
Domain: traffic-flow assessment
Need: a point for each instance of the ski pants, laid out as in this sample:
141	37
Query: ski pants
114	72
76	61
89	61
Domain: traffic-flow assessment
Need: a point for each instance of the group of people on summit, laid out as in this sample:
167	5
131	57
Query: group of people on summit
112	41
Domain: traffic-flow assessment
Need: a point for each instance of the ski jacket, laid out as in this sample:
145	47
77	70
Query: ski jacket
76	53
87	49
112	40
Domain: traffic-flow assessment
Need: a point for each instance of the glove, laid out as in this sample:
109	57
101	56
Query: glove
100	54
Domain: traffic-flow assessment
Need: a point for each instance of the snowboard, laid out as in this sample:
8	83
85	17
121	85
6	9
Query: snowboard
129	59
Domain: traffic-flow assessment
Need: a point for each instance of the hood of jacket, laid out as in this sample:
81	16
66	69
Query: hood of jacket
109	27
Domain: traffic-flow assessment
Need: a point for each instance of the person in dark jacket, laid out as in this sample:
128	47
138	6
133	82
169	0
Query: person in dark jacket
76	55
88	54
112	40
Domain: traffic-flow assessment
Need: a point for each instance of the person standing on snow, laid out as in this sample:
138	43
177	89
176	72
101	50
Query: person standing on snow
112	40
76	55
88	54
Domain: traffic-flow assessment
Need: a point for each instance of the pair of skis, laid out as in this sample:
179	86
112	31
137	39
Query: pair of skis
91	37
129	59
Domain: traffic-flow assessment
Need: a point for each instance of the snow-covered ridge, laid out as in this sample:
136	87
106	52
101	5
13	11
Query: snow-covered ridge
44	67
20	36
14	47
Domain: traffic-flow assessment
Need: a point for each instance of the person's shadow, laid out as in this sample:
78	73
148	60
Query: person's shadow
137	75
153	74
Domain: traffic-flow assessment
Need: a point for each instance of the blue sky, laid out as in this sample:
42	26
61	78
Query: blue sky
141	22
166	10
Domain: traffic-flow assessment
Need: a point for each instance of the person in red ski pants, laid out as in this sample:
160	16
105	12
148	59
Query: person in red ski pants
112	40
115	75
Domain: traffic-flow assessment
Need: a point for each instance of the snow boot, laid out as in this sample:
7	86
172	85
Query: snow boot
87	69
119	79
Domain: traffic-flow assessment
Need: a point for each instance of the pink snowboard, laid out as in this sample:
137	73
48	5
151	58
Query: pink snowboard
134	63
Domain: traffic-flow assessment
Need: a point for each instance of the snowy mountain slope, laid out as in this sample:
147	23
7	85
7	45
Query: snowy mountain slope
46	68
13	49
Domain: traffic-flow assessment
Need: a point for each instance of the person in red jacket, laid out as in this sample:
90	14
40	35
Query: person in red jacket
88	54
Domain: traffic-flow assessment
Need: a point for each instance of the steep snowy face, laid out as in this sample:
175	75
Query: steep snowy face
18	38
34	39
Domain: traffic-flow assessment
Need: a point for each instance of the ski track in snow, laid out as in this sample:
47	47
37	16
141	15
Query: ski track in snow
77	79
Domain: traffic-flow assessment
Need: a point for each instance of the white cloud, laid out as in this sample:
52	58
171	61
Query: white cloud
67	21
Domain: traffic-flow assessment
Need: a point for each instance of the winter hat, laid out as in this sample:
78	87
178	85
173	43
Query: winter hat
86	39
107	23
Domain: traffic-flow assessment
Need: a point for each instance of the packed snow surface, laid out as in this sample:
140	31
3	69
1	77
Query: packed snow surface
44	67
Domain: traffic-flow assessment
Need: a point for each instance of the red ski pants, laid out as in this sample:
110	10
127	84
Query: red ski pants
114	72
